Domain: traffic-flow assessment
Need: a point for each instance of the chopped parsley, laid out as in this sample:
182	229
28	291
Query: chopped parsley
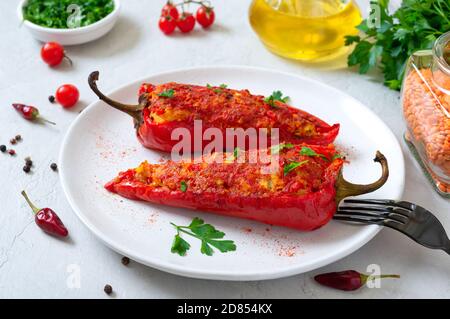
276	96
62	14
277	148
336	156
236	153
306	151
292	165
217	90
167	93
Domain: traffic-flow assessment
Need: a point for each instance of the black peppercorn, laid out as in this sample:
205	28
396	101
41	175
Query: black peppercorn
28	162
51	98
125	261
3	148
26	169
108	289
53	166
18	137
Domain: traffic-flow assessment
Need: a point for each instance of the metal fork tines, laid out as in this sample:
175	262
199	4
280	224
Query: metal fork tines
410	219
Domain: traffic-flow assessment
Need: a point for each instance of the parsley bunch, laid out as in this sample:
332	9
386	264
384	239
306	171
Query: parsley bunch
414	26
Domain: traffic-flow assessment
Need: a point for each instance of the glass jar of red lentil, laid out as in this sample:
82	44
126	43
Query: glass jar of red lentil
426	108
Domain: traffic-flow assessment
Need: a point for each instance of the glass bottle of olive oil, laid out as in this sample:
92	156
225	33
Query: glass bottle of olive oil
310	30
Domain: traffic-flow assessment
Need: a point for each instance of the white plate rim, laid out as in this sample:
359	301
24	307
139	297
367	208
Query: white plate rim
371	230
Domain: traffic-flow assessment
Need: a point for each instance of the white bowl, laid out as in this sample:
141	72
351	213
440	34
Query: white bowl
72	36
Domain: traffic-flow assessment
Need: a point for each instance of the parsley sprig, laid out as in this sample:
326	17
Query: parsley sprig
414	26
276	96
208	234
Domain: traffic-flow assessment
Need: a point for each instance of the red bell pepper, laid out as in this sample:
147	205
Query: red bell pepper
302	193
165	107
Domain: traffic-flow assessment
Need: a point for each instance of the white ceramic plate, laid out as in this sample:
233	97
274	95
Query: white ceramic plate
101	142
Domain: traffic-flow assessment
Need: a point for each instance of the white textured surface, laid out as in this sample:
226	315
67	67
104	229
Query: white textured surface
35	265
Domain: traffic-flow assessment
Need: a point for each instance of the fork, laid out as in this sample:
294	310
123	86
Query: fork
410	219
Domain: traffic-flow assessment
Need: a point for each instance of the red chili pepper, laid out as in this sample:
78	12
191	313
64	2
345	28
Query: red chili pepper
47	219
30	113
303	195
166	107
347	280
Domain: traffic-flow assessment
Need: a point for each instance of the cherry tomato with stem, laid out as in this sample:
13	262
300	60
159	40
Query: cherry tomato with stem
167	24
205	16
186	22
67	95
53	53
170	10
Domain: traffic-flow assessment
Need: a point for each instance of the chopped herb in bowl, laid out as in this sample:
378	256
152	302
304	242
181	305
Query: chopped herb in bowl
65	14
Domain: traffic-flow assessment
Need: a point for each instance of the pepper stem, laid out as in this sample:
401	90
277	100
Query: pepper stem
45	120
345	188
365	278
34	208
135	111
68	59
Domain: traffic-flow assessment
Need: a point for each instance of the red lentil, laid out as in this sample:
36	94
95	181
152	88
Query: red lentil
426	108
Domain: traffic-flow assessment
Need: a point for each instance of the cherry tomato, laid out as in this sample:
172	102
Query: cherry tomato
170	10
186	22
53	53
67	95
205	16
167	24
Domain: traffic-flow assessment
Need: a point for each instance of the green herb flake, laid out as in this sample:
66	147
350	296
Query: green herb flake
336	156
276	96
208	235
292	165
306	151
276	149
218	89
167	93
236	153
183	186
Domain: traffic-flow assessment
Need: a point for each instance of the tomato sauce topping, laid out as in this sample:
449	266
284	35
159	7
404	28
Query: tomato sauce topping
223	108
295	174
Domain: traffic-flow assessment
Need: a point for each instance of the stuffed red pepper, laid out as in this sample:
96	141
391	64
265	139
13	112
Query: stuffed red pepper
302	192
163	108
